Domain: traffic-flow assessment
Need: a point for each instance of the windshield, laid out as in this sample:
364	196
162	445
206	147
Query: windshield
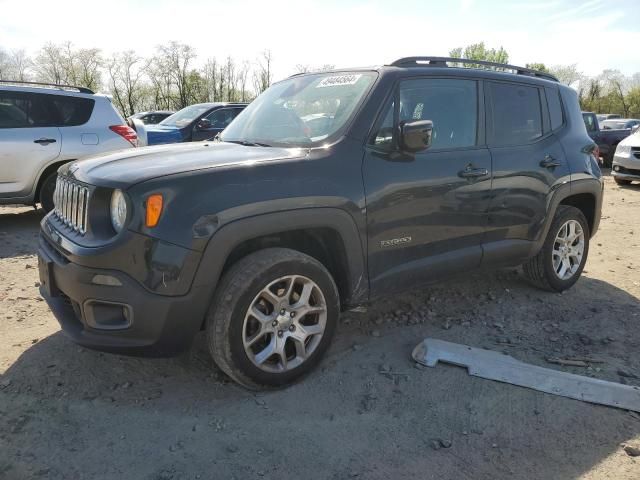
184	117
615	125
300	111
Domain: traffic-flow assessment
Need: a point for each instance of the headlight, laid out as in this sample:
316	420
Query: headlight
118	210
623	150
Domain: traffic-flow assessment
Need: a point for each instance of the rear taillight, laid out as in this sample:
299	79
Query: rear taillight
126	132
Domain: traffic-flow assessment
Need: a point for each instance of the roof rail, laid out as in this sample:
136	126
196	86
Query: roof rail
443	61
48	85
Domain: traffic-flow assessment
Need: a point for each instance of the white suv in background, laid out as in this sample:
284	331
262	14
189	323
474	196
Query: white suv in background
44	126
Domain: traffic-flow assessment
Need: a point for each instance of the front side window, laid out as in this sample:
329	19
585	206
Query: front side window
184	117
301	111
221	118
452	106
515	113
24	110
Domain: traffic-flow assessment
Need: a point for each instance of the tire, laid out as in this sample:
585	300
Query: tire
45	197
540	270
620	181
250	282
607	160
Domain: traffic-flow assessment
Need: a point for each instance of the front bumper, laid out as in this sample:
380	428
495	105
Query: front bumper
626	168
122	317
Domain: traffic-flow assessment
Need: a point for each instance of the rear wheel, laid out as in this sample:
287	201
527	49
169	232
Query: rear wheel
561	260
47	188
620	181
272	317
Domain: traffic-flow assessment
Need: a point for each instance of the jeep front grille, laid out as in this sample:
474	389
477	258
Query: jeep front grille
71	204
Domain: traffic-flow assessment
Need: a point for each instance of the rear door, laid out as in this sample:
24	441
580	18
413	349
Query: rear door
29	140
427	212
528	165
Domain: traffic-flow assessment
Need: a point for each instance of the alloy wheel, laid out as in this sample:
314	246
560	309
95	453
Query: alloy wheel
284	324
568	249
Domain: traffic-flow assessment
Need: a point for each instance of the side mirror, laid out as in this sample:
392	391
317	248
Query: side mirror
416	136
635	128
203	124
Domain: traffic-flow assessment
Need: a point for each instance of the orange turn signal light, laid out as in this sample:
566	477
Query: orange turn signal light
154	209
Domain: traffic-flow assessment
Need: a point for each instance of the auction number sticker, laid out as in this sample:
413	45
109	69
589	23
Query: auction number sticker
339	80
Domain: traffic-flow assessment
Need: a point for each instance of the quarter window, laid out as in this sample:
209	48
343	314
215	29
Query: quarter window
516	114
555	107
452	106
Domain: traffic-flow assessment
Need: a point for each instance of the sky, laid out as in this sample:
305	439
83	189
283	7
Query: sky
594	34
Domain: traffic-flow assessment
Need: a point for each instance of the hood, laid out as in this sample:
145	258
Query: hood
632	140
160	134
128	167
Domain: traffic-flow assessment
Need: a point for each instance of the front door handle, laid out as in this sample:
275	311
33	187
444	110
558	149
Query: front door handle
45	141
549	162
471	172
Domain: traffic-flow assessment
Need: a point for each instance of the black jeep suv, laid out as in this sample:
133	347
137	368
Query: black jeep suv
329	190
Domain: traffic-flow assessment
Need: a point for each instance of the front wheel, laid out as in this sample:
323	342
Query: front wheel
272	317
47	188
561	260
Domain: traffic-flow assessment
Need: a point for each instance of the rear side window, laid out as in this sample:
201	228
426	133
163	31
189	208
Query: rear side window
452	106
589	121
73	111
29	110
555	107
516	115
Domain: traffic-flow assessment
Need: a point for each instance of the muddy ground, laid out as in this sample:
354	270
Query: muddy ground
71	413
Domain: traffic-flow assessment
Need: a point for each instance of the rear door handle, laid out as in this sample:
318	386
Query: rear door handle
471	172
549	162
45	141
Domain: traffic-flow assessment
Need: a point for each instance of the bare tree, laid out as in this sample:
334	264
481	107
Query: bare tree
21	64
262	76
5	66
618	87
125	72
61	64
243	75
210	73
177	59
49	65
567	74
87	66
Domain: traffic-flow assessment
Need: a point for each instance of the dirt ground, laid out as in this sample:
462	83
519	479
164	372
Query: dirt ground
71	413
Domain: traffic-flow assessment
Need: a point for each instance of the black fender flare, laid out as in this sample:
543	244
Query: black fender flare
230	235
592	186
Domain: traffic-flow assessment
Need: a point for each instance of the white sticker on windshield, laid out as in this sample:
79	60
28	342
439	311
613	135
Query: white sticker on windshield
339	80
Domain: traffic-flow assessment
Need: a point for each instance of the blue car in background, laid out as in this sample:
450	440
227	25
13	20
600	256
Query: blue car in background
201	121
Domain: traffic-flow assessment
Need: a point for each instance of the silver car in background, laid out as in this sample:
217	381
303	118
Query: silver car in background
44	126
626	161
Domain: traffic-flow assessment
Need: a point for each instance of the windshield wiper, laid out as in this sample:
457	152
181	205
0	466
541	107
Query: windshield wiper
246	143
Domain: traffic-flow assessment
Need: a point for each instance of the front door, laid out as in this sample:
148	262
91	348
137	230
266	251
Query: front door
28	142
427	212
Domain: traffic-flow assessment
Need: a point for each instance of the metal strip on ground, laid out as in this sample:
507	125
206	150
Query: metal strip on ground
504	368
